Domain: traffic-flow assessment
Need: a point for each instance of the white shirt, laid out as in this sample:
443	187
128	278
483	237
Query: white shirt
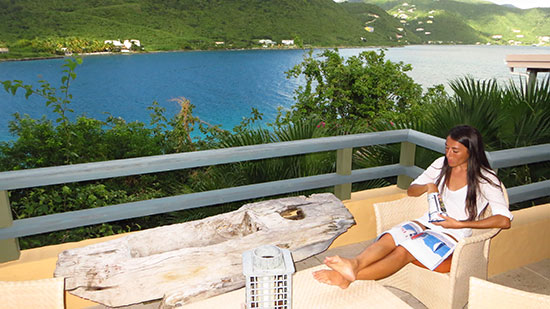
455	201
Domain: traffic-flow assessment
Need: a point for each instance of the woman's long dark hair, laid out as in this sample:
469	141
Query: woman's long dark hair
477	161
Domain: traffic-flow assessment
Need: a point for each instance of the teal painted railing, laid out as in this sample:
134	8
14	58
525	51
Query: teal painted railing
10	230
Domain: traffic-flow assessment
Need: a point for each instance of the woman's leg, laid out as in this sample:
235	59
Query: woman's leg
388	265
349	268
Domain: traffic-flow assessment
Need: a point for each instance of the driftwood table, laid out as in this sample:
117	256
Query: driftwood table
195	260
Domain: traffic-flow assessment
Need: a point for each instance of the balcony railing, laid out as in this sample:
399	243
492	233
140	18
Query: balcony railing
342	179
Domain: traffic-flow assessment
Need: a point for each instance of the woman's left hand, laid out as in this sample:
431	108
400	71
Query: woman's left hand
449	223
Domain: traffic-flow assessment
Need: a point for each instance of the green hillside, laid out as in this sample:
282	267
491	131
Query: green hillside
192	24
470	21
384	27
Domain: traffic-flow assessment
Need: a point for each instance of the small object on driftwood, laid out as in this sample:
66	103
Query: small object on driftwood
195	260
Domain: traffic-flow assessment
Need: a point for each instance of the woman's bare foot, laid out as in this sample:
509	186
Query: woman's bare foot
331	277
346	267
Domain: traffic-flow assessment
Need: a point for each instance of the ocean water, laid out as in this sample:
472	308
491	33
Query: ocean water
222	85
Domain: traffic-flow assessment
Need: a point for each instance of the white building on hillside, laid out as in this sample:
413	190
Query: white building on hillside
266	42
287	42
115	43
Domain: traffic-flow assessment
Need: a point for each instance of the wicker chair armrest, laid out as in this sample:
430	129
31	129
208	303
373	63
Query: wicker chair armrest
479	235
471	253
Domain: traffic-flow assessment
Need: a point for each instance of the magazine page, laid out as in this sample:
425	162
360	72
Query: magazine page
430	248
404	231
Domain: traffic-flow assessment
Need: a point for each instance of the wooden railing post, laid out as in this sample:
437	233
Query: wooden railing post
343	167
9	248
406	158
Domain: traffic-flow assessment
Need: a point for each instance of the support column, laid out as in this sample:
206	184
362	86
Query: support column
343	167
532	77
406	158
9	248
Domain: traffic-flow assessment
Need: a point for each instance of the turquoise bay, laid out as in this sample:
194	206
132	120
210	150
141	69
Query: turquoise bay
223	85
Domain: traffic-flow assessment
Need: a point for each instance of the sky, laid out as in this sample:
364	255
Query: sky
524	4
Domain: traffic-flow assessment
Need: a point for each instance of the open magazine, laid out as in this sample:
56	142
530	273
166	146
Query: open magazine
429	247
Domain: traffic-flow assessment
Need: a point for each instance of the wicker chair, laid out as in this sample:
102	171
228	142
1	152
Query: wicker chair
485	294
433	289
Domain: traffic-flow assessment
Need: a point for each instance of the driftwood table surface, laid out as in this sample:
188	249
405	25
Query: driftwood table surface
190	261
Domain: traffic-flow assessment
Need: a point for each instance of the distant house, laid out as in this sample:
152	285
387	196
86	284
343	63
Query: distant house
369	29
398	36
519	36
497	36
4	50
430	22
427	33
218	43
516	30
266	42
127	44
124	46
287	42
115	43
419	29
399	29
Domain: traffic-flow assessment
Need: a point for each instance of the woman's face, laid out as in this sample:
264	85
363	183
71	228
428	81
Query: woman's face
456	153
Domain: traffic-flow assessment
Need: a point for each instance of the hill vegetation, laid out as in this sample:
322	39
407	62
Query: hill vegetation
43	28
190	24
470	21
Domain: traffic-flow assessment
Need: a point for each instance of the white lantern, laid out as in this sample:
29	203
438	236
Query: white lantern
268	271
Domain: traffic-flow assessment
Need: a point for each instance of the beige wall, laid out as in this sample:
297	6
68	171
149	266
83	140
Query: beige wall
526	242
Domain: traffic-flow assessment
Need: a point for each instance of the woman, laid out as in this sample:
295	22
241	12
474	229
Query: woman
466	185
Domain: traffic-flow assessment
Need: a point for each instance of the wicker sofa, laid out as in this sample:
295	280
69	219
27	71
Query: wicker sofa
433	289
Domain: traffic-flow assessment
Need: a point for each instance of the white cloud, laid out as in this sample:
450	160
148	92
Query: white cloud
524	4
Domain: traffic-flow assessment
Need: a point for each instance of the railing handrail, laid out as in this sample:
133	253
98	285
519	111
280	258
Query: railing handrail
161	163
100	170
35	177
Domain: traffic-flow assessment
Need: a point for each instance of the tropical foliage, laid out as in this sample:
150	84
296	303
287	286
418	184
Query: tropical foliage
344	91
